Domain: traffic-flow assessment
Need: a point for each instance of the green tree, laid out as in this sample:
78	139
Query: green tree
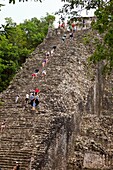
17	42
8	61
13	1
104	45
49	19
35	31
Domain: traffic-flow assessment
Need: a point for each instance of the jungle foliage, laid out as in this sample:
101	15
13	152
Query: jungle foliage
17	42
104	46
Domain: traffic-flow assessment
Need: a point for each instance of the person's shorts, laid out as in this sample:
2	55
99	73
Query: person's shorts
44	73
34	75
54	47
44	61
2	126
71	36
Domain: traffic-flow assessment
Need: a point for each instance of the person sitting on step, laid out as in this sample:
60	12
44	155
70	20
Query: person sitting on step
43	73
48	54
17	166
27	98
35	74
44	62
54	47
52	51
17	98
63	39
3	125
71	36
34	101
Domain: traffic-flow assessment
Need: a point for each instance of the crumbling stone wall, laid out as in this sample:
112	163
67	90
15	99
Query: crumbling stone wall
93	144
59	144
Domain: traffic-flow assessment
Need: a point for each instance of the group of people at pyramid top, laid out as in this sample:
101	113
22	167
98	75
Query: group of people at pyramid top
68	30
68	26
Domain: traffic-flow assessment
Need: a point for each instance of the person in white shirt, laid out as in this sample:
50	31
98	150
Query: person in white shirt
44	73
27	98
16	99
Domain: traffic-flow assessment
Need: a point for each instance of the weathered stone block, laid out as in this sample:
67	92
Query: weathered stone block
93	160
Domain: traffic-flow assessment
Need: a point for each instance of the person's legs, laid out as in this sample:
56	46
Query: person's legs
2	128
44	75
33	76
33	107
43	64
27	100
36	75
51	53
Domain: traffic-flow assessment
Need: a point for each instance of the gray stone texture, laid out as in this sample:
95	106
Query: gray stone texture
68	133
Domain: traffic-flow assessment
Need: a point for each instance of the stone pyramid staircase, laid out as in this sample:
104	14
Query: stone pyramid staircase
27	133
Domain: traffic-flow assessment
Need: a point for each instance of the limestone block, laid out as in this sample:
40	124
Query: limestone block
93	160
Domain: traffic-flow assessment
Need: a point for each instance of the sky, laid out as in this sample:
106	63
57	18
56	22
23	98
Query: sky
27	10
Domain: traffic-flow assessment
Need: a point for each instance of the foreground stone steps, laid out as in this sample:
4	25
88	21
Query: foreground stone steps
23	157
6	142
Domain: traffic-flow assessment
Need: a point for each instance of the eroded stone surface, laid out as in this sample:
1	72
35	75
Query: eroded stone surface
66	134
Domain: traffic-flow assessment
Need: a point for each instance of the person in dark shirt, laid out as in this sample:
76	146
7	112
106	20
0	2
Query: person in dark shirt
35	74
3	125
54	47
17	166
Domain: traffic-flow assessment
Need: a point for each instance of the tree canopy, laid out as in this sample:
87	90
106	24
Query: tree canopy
104	45
17	42
14	1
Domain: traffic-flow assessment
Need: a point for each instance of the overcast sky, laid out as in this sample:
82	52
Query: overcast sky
27	10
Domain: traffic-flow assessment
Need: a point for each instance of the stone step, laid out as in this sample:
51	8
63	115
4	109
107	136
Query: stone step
8	158
10	165
13	158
